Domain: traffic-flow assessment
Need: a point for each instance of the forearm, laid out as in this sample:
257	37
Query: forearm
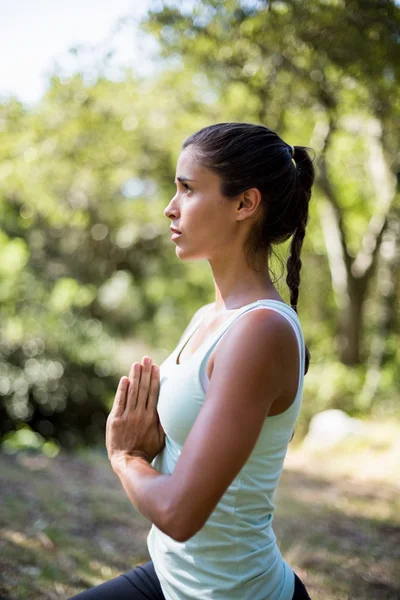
147	489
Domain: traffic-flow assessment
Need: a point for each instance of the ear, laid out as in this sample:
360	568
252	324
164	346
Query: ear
248	203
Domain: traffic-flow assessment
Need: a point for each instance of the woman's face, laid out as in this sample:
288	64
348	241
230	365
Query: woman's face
205	217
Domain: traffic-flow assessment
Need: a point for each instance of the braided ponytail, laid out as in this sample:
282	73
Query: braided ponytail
305	177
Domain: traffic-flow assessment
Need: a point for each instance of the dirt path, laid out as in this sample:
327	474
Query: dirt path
67	525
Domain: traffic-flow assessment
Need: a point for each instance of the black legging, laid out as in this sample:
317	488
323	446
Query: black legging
142	583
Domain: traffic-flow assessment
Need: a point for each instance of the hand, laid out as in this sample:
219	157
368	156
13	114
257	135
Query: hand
133	426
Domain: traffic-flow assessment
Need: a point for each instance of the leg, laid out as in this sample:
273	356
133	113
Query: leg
140	583
300	592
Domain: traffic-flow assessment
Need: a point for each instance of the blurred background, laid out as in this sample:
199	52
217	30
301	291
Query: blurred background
96	99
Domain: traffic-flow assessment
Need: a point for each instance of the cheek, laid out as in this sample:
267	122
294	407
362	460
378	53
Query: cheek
197	214
206	219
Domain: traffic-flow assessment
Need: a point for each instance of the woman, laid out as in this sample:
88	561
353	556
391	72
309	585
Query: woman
200	455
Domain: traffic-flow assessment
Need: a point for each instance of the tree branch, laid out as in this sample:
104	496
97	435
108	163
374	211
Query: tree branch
331	217
385	190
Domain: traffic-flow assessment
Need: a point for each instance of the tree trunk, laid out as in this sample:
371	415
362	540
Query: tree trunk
350	277
387	280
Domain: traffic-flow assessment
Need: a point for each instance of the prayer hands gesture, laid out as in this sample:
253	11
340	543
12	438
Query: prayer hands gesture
133	426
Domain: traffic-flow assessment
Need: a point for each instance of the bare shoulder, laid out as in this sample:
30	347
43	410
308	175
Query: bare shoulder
266	327
263	338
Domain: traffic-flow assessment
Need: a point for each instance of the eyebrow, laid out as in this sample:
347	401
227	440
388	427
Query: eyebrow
183	179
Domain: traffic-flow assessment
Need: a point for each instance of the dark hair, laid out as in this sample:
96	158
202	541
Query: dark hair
245	155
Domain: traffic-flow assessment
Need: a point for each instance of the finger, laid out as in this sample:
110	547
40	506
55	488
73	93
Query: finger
154	388
134	366
120	397
144	384
134	378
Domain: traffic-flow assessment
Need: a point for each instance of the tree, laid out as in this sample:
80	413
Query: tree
337	65
83	241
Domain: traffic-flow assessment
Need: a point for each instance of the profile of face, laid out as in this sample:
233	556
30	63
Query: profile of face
207	219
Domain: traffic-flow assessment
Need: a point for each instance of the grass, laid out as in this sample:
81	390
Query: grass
66	524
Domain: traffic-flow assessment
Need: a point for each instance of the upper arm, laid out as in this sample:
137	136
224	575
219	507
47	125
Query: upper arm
247	377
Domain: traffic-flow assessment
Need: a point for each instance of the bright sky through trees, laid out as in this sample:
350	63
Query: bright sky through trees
36	36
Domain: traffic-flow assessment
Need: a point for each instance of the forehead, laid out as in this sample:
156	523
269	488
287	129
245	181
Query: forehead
189	166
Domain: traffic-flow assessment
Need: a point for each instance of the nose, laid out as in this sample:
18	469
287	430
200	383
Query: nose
171	210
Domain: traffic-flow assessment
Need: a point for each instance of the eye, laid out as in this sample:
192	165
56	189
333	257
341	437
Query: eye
184	185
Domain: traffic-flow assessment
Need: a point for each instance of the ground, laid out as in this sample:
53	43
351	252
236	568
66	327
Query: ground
66	523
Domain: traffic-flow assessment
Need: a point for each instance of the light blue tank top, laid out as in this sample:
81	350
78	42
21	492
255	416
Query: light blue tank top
235	555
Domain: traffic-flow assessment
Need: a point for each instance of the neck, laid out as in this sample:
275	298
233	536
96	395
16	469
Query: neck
236	283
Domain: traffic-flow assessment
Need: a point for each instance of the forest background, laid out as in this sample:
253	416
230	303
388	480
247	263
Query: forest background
89	277
90	282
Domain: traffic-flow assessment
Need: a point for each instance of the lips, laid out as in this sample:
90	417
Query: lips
175	230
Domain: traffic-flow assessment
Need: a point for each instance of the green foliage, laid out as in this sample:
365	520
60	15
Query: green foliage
83	184
87	264
26	439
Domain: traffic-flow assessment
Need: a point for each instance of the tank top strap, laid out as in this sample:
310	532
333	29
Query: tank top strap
191	331
276	305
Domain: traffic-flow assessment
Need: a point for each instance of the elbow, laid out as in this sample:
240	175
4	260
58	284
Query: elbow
182	534
179	526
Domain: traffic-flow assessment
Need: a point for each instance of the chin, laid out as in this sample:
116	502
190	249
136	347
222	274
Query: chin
187	255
